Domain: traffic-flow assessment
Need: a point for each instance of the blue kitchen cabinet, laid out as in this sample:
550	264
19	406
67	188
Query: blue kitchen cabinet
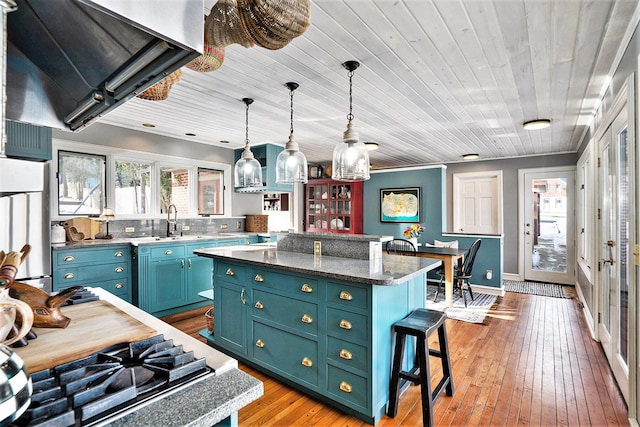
28	142
167	277
105	267
266	154
330	338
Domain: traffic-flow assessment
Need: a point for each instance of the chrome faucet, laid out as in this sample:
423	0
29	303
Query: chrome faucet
169	221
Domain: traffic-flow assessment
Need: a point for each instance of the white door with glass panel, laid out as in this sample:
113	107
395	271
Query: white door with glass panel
547	224
614	252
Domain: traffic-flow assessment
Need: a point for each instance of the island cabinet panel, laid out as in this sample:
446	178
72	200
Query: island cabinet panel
329	338
170	276
105	267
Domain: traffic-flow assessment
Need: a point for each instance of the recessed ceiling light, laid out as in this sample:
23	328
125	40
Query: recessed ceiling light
470	156
224	141
190	134
148	125
371	146
536	124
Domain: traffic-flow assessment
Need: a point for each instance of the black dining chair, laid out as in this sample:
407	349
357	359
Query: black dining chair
461	276
400	247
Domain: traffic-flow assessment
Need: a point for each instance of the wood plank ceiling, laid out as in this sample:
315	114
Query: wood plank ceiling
438	79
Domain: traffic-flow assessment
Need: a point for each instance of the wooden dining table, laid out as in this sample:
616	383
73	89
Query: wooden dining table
448	256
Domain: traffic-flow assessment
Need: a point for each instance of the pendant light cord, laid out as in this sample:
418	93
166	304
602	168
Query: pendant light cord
350	115
291	95
246	138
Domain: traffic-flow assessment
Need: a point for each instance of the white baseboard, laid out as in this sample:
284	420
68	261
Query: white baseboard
512	276
481	289
586	312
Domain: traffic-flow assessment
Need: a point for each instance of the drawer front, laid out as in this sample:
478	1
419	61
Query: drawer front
301	315
288	354
228	272
120	288
296	286
174	251
75	257
348	388
64	277
347	325
201	245
348	354
348	295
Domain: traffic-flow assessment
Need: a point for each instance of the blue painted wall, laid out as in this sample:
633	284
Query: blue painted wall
432	182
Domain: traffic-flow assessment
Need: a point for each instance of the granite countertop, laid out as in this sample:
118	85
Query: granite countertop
388	270
152	240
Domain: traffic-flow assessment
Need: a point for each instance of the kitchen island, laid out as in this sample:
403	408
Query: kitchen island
321	324
212	399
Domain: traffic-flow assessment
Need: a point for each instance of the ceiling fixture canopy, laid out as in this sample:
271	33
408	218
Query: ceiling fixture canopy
536	124
291	165
248	171
351	158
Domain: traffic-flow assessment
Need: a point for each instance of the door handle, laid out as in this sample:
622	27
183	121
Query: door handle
528	233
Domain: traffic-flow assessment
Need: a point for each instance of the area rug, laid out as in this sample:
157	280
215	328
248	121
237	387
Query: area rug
540	288
474	312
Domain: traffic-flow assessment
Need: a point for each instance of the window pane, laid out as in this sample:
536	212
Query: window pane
80	183
174	189
132	187
210	192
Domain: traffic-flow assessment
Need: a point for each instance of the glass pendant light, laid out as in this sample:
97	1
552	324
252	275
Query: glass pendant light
351	158
291	165
248	172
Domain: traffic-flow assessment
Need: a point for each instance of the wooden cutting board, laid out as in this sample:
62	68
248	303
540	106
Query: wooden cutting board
94	326
84	225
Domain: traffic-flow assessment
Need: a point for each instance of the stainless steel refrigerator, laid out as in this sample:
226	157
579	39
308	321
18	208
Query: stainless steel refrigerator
25	217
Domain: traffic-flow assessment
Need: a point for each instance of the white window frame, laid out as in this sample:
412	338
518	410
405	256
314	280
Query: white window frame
157	161
585	206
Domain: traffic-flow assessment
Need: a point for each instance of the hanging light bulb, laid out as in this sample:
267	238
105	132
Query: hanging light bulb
291	164
351	158
248	172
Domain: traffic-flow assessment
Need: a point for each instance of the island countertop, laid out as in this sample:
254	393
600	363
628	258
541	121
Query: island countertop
388	270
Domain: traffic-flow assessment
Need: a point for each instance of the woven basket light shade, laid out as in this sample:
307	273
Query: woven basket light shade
222	27
210	60
160	90
272	24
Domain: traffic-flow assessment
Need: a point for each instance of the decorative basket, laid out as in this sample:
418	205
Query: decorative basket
208	315
160	90
210	60
272	24
222	27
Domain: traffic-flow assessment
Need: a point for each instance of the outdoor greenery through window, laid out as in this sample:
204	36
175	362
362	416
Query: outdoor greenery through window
210	192
81	180
174	189
132	187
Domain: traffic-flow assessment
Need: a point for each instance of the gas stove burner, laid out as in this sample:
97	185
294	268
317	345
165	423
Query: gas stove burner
88	390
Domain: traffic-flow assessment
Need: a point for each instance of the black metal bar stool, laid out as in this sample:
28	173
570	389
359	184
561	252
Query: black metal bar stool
420	324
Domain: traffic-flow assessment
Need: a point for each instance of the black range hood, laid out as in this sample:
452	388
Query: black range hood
71	61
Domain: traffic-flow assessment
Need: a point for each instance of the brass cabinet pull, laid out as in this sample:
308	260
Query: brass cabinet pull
119	286
118	269
259	305
118	254
306	319
258	278
345	324
346	387
68	276
230	272
260	343
307	362
306	288
345	296
346	354
69	258
244	301
168	252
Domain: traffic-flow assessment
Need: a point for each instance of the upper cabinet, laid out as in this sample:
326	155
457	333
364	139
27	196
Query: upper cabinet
28	142
333	206
267	154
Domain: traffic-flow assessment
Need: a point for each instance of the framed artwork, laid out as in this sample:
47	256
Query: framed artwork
400	204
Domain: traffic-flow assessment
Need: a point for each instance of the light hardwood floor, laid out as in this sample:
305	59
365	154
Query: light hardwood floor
533	362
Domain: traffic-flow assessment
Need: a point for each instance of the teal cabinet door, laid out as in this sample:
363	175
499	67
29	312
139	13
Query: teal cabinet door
199	271
230	316
167	279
